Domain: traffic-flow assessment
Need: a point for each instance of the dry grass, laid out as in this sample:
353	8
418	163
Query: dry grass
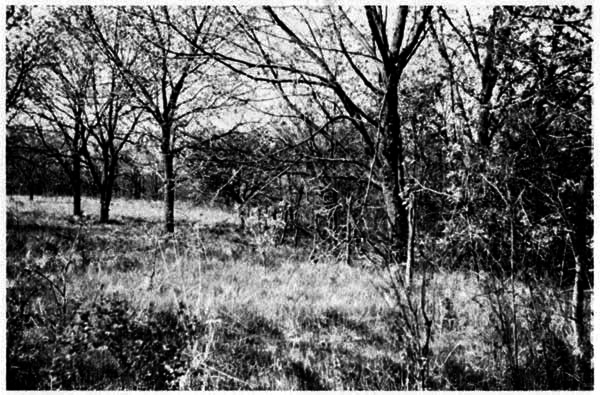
269	318
123	209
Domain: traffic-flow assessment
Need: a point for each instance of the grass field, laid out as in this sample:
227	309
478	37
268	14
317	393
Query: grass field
119	306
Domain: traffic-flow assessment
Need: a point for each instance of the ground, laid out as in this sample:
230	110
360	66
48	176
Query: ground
121	306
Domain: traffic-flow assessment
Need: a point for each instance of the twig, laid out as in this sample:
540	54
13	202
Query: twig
226	375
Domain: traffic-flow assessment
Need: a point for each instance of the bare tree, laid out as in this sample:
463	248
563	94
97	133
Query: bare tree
165	75
110	125
58	111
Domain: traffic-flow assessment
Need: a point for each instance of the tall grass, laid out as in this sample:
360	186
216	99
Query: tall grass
215	308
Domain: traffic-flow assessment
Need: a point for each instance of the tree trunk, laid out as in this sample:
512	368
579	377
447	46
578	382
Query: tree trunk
410	247
76	184
581	342
169	193
348	230
137	190
106	191
137	184
392	172
31	187
104	207
577	300
489	77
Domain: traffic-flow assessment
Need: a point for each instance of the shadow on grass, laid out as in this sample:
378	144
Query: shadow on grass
105	345
38	238
333	318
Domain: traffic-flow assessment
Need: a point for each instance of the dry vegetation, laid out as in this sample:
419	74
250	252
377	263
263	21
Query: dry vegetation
118	306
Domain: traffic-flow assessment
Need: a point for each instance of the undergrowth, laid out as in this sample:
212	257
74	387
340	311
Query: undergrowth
119	306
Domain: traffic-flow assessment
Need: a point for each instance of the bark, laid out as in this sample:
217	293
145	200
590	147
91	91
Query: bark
155	186
106	193
31	187
410	254
489	77
137	189
348	230
137	184
76	184
395	55
392	171
581	342
577	300
169	192
104	208
104	178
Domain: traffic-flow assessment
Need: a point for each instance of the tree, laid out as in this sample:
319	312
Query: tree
58	109
112	125
168	77
30	41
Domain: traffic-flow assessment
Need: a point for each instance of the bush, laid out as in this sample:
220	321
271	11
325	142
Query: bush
101	345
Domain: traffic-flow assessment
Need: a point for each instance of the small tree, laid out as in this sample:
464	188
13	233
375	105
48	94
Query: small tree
113	123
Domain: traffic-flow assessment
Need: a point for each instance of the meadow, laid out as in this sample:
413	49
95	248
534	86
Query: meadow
120	306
